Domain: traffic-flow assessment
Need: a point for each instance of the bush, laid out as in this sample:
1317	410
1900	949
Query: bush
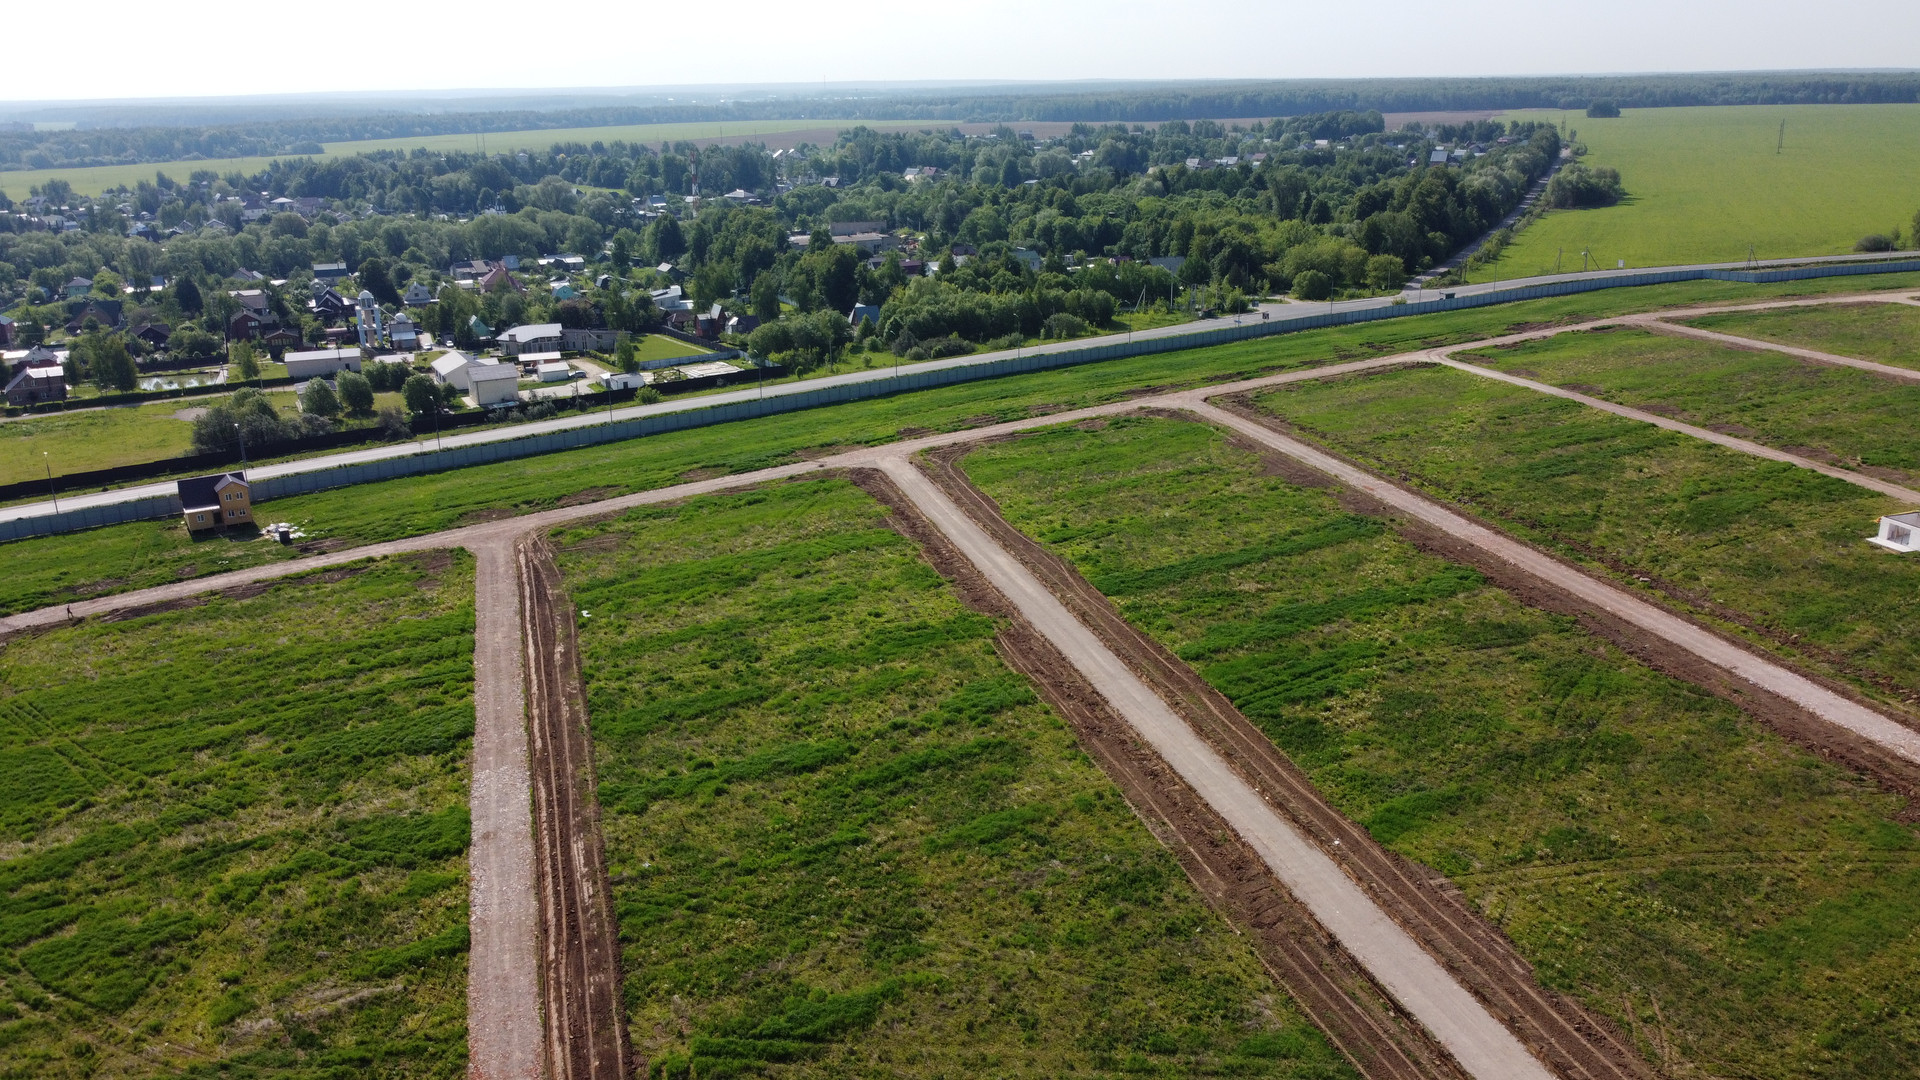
951	345
1603	110
1875	242
1063	325
391	423
248	414
1312	285
650	396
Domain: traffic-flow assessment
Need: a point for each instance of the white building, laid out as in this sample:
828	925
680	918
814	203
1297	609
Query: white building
451	368
558	371
321	363
623	380
493	384
1899	532
535	337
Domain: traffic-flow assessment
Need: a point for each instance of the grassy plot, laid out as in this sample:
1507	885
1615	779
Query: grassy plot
845	840
1767	547
1706	185
93	439
233	837
662	347
61	569
1832	414
1741	907
1885	333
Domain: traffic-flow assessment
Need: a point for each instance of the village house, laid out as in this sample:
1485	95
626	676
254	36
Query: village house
34	385
417	295
220	501
329	271
535	337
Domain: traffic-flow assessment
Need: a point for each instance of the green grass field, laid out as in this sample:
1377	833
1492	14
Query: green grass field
95	179
61	569
235	835
1833	414
845	840
1886	333
661	347
1704	184
1738	906
1764	549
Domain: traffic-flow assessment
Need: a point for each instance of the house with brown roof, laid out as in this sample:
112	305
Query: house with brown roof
220	501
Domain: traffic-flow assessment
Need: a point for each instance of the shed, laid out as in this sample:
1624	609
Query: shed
493	383
1898	532
557	371
321	363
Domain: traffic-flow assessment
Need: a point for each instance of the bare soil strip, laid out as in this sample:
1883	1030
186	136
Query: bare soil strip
1328	982
586	1030
1744	446
503	990
1482	1045
1575	1042
1827	703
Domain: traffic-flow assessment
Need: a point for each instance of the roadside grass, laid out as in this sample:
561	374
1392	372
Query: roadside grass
1764	549
81	441
1739	906
845	839
233	837
1832	414
1884	333
1706	185
69	567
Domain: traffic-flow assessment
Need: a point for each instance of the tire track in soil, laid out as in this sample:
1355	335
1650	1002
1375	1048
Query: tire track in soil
586	1030
1334	990
1575	1042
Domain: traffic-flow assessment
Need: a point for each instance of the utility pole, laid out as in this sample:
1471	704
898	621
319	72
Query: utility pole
1781	146
48	461
242	436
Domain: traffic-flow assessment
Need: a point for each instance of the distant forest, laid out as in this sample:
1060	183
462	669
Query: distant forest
1140	103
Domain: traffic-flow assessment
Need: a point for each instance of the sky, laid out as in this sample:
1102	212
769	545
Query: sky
149	51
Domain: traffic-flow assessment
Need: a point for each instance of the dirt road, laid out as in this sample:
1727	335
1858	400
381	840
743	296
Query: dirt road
1481	1044
586	1027
1760	671
503	992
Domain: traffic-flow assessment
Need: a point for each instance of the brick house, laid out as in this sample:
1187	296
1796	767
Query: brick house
220	501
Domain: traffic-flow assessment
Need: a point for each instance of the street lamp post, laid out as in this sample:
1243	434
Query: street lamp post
47	460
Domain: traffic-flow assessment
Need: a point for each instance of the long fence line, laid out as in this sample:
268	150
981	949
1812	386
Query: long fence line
430	461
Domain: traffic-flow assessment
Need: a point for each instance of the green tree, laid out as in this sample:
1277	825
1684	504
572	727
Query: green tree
356	393
766	297
245	365
669	242
112	365
623	355
187	295
318	399
420	394
1386	273
376	279
1312	285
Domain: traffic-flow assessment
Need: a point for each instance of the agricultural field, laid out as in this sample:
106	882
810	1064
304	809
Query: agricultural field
1834	414
118	558
1762	548
92	180
1705	184
1736	905
845	839
235	835
1885	333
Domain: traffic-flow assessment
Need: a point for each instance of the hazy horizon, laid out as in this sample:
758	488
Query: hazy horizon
599	46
